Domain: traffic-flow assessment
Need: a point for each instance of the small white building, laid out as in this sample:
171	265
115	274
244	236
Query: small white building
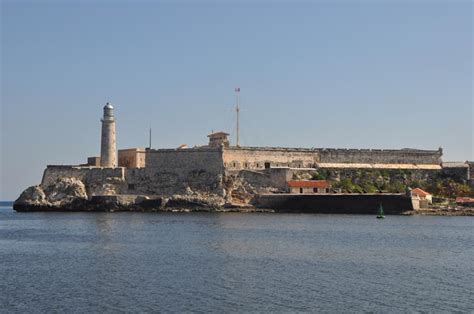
422	195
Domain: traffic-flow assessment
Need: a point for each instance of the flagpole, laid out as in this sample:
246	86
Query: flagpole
237	109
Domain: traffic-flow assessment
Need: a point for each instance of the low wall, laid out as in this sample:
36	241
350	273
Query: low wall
335	203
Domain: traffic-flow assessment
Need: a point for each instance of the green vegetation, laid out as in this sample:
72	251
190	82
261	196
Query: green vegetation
320	175
369	187
347	186
391	181
449	188
397	181
397	187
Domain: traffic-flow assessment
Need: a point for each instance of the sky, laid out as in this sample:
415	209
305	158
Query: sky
340	74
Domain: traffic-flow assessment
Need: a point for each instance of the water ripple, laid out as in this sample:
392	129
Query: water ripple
141	262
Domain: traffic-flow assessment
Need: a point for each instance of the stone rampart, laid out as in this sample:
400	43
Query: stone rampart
97	180
380	156
457	171
260	158
256	158
185	159
171	171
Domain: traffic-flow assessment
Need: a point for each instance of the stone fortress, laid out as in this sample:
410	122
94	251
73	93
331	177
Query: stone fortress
221	173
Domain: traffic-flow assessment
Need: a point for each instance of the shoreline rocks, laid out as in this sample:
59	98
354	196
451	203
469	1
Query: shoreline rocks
68	194
64	193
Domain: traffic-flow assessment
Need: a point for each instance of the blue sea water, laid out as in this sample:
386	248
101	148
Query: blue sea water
179	262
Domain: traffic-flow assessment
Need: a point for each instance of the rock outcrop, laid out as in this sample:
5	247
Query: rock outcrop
70	194
65	193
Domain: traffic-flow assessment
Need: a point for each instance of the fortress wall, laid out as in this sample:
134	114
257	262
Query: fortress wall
471	170
53	173
263	181
457	173
85	174
191	159
383	156
170	171
98	181
255	158
236	158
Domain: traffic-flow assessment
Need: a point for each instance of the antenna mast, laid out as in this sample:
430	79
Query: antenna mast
150	139
237	110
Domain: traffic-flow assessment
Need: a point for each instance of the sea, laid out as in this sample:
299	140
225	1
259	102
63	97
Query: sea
234	262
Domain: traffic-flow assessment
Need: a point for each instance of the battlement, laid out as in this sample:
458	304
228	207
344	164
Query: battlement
265	157
325	149
381	156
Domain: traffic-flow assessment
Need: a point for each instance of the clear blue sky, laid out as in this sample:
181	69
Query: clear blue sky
355	74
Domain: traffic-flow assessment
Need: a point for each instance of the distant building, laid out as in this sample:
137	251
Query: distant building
460	170
131	158
218	139
421	195
309	186
465	201
93	161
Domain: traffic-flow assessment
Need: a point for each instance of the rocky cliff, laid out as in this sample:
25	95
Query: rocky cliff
64	193
73	194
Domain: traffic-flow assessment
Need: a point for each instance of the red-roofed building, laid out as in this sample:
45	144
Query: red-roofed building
422	195
465	201
308	186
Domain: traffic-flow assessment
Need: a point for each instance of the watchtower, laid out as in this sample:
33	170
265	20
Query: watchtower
108	150
218	139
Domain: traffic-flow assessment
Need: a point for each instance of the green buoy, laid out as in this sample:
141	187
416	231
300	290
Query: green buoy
381	214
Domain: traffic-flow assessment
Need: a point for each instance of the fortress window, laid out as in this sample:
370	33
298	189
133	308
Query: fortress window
267	165
315	190
301	190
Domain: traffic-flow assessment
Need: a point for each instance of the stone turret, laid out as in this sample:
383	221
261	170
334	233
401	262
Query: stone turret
108	149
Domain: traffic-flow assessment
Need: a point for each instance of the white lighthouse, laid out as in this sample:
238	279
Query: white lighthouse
108	149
